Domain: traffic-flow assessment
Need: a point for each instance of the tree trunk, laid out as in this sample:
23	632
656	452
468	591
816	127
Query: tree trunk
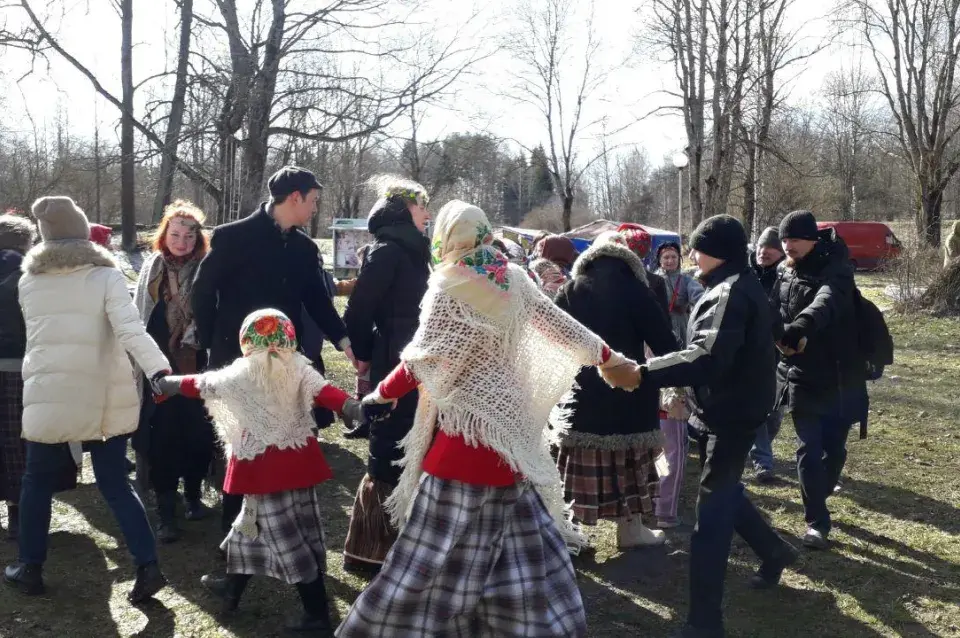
128	212
174	124
929	215
567	212
258	114
750	191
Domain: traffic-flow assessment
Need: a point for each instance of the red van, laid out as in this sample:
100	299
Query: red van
870	243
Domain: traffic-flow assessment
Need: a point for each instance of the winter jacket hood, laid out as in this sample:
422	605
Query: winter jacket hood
609	249
80	325
13	338
16	233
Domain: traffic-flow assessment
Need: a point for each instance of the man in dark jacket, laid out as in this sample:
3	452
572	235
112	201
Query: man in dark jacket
263	261
764	260
729	362
822	381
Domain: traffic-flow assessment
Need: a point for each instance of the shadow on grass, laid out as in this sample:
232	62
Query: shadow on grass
76	573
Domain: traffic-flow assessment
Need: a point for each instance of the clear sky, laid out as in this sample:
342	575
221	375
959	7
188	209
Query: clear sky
90	29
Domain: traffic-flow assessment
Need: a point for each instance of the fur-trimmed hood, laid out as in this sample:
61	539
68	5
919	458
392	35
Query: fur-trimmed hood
16	233
610	249
52	257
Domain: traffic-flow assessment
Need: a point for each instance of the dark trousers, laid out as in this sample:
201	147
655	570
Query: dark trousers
45	467
722	508
231	506
820	459
181	446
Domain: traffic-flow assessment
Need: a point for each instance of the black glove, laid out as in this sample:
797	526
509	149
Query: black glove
351	414
373	412
793	333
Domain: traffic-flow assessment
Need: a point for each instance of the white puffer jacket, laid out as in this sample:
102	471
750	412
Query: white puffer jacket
81	323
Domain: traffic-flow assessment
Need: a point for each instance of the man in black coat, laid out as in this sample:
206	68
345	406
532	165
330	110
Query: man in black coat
729	362
264	261
764	260
822	382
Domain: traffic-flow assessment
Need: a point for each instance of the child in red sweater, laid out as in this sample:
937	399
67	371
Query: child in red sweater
261	405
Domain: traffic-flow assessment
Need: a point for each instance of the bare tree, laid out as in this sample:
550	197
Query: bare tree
171	140
915	45
543	49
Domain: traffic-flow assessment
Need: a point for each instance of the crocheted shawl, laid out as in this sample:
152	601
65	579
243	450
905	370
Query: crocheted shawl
493	356
264	398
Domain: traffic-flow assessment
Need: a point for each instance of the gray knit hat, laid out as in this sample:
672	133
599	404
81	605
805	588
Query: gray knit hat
769	238
59	218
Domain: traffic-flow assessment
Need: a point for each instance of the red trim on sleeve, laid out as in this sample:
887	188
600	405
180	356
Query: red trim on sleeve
398	383
188	387
331	397
605	354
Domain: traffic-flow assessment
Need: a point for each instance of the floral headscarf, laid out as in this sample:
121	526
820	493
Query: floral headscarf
639	241
267	330
463	238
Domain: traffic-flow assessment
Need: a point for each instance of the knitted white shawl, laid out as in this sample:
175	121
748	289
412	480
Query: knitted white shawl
262	400
491	370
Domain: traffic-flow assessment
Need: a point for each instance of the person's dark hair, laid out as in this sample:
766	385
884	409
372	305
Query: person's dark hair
289	180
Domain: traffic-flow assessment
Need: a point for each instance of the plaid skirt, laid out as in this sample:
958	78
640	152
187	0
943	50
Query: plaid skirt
290	545
13	457
370	535
472	561
609	484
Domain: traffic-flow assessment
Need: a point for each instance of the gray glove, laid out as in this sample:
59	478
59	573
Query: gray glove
166	385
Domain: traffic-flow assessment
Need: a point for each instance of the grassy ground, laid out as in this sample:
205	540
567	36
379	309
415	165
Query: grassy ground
894	571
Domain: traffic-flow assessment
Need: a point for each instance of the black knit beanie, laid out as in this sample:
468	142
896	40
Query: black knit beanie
769	239
800	224
720	236
669	245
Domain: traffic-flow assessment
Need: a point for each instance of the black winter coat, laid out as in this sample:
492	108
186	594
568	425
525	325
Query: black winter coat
609	295
659	287
253	265
13	334
730	358
381	316
815	299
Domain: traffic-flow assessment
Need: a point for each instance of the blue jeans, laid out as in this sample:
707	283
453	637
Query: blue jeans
762	451
722	509
45	464
820	459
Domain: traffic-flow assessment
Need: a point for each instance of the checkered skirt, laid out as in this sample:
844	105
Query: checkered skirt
291	542
13	459
472	561
610	484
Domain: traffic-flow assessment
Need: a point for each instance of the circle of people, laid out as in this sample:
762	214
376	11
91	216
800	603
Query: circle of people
510	402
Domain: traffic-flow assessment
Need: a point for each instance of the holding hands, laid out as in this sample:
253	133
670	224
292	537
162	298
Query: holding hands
621	372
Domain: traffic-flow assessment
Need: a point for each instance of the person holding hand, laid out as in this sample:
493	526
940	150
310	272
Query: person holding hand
729	363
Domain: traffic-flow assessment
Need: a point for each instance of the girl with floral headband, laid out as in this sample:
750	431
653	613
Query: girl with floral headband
261	406
484	532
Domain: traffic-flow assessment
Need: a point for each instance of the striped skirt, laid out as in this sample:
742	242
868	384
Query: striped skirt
475	562
609	484
13	458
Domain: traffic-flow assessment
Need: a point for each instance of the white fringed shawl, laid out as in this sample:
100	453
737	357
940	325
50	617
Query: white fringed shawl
491	368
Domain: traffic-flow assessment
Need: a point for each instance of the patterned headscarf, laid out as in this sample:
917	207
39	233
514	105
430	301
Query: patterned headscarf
267	330
639	241
463	238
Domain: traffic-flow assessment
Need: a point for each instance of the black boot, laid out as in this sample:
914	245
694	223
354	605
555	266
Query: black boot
167	531
316	612
195	509
27	578
229	588
149	581
13	522
770	570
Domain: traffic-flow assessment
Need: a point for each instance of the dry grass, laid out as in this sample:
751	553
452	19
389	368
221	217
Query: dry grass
894	571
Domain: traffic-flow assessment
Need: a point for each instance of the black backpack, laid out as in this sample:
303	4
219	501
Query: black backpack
874	341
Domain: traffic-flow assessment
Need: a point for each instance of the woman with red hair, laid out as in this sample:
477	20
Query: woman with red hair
175	438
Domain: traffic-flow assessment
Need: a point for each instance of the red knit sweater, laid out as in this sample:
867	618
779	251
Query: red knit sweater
451	457
278	470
